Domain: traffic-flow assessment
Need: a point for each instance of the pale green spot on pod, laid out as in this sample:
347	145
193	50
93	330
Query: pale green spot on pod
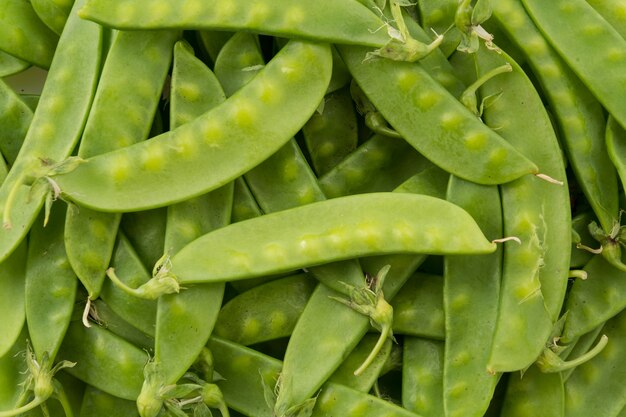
55	104
457	390
160	10
426	99
436	15
310	245
590	373
326	148
460	302
326	402
475	141
370	234
278	321
307	195
291	70
615	55
404	233
551	70
212	132
153	159
451	120
567	7
275	252
190	9
461	358
45	131
225	10
407	81
528	290
294	16
99	228
290	170
242	363
258	13
189	90
538	45
126	12
245	115
120	168
269	94
186	144
359	409
251	328
338	240
498	157
240	260
90	259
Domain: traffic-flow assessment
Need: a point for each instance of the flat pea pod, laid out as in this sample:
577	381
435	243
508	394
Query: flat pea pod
213	41
51	286
412	102
438	16
238	61
15	118
12	371
253	316
602	396
65	99
97	403
616	145
24	36
244	204
110	320
283	18
471	290
578	114
418	307
379	164
136	61
53	13
590	46
235	136
581	235
534	393
422	376
10	65
613	11
534	277
360	225
104	360
592	301
332	134
145	231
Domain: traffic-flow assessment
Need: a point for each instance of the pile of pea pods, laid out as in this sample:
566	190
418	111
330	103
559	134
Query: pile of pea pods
290	208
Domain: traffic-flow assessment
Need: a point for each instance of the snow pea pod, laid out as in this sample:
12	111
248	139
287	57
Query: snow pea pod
53	13
578	114
50	286
122	112
24	36
412	102
110	320
613	11
422	376
235	136
59	119
284	18
97	403
253	316
10	65
534	393
589	45
15	118
341	228
534	277
145	231
12	281
244	204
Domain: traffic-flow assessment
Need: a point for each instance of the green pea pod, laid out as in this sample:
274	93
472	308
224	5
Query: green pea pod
592	47
534	393
534	272
53	13
439	17
24	36
577	113
412	102
113	123
238	62
68	77
10	65
418	307
244	204
145	231
12	372
50	286
15	118
602	396
235	136
593	301
360	225
422	395
316	21
613	12
97	403
104	360
106	317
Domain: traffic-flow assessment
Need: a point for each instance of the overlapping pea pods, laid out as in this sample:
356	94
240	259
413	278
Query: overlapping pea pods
251	165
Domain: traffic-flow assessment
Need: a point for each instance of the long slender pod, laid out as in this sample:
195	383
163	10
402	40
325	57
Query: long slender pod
534	393
65	99
589	45
613	11
535	211
15	118
471	291
422	376
136	61
53	13
578	114
216	147
10	64
97	403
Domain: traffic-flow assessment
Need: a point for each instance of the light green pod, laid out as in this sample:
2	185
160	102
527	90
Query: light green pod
53	13
213	149
10	65
341	228
97	403
422	376
15	118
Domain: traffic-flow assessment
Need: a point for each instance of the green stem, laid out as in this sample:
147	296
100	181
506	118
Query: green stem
6	215
384	334
65	403
27	407
119	284
604	340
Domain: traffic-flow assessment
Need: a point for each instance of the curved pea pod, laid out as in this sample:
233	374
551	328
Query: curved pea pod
418	307
434	122
97	403
254	316
471	291
12	372
51	286
576	111
110	320
53	13
613	12
104	360
15	118
145	231
24	36
213	149
422	376
284	18
244	205
537	212
591	388
341	228
12	280
65	99
534	393
592	301
10	65
238	61
439	17
591	47
581	236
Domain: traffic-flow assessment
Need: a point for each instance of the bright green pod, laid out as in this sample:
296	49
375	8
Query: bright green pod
12	280
341	228
254	316
15	118
534	393
24	36
283	18
65	99
213	149
613	11
238	62
438	16
10	65
53	13
12	371
422	376
244	204
97	403
105	316
434	122
589	45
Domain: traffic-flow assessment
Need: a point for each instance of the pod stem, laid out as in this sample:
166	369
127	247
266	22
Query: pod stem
36	402
384	334
551	362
